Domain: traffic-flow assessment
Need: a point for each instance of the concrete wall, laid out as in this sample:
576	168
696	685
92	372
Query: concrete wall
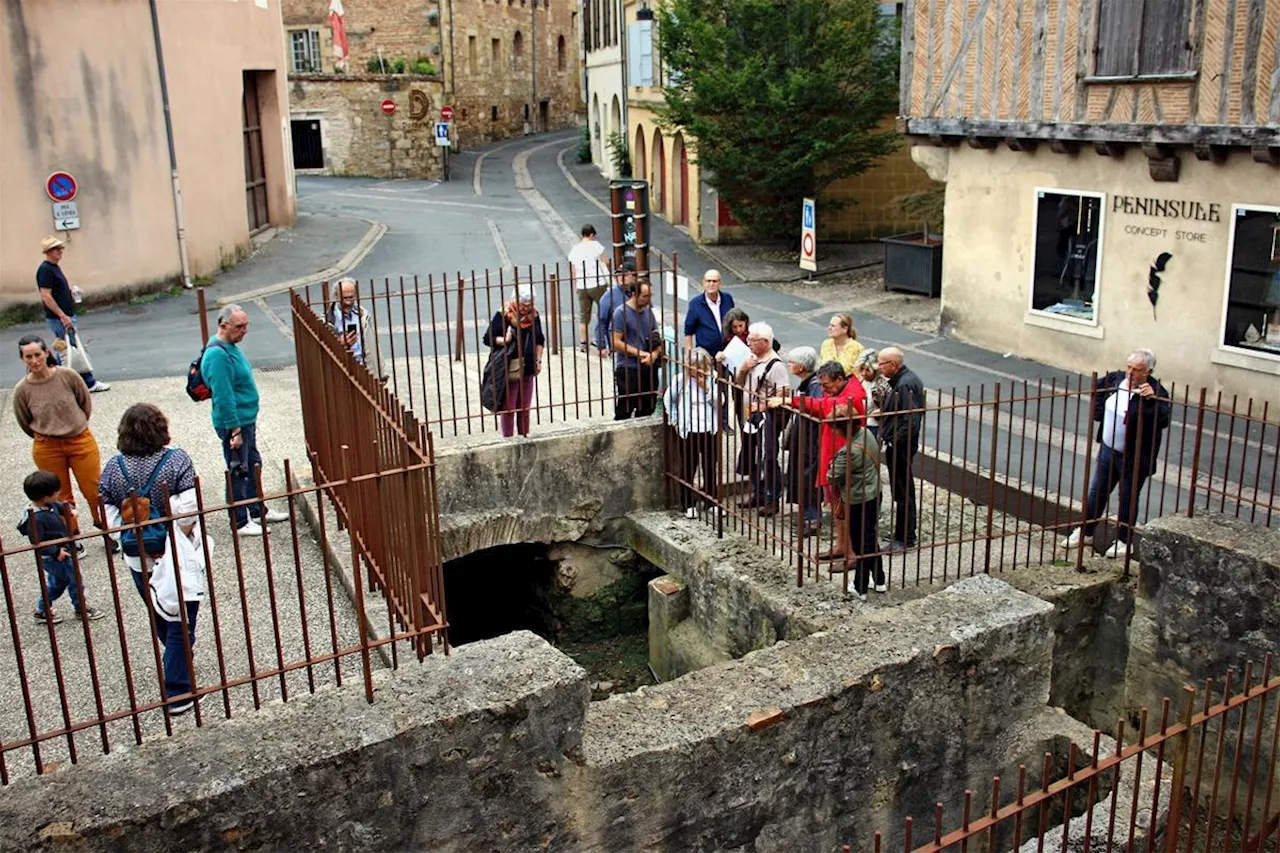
989	253
81	94
797	747
357	137
552	487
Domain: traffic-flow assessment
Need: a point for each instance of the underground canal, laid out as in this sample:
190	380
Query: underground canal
590	602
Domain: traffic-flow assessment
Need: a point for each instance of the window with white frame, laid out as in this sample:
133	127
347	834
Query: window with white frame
1068	233
1251	316
304	50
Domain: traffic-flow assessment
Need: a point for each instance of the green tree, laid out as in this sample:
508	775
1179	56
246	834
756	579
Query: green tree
783	96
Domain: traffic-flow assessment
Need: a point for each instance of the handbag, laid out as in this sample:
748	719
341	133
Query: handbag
77	356
493	382
515	368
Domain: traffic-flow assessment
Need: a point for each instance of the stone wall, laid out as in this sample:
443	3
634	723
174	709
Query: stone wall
557	486
357	137
795	747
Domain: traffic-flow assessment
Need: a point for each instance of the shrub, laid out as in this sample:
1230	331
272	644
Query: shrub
423	65
584	145
619	155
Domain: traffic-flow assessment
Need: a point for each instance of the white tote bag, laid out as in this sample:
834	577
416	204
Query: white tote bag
77	357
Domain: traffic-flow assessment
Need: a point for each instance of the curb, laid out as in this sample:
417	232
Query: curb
344	265
573	182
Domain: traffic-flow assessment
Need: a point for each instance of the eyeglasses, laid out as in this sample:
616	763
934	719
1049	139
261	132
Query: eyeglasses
711	280
243	325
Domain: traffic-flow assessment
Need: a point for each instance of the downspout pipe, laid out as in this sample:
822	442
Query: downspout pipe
173	153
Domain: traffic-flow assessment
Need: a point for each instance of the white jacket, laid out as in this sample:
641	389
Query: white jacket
189	563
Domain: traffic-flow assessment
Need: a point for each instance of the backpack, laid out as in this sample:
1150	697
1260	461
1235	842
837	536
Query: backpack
197	389
154	537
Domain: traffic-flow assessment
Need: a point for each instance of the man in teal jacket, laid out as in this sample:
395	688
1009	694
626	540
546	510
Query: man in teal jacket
235	416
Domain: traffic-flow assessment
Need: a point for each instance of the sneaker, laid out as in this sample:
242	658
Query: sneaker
1118	550
92	614
1075	538
52	619
691	512
881	587
178	708
113	545
100	386
273	515
861	596
251	528
79	549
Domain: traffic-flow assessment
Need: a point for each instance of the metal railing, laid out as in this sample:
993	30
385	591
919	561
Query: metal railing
427	336
1205	781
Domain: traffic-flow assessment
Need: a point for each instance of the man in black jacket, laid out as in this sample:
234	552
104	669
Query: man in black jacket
901	422
1132	410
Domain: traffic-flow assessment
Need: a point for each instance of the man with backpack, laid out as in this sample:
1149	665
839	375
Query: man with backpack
228	375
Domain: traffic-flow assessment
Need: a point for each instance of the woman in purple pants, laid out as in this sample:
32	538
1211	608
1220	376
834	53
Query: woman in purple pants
517	328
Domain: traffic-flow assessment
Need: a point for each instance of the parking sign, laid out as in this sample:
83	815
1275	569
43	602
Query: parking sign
808	237
442	134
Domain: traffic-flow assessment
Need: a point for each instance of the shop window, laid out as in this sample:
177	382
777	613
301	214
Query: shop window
1068	230
1252	316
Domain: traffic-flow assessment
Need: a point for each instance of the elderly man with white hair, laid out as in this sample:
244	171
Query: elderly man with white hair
517	329
349	319
761	376
1132	411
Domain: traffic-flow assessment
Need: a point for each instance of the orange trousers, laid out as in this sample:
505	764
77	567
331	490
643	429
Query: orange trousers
66	456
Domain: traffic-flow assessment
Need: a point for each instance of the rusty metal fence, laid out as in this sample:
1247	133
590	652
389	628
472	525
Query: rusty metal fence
432	338
1203	781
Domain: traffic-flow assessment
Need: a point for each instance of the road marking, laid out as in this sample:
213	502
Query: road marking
400	197
475	172
573	182
548	215
275	318
348	262
503	257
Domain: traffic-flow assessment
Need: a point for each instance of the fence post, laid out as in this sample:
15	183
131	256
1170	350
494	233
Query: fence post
554	281
460	339
357	585
204	316
1088	470
1179	772
991	475
1195	455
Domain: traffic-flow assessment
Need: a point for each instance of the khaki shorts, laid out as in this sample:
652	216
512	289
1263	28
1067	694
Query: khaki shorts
586	296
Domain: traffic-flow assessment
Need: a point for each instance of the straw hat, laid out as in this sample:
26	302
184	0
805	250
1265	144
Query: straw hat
48	244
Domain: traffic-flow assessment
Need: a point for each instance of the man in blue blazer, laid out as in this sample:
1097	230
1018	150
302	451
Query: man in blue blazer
704	317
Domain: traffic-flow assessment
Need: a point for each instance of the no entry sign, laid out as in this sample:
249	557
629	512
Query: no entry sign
388	106
446	113
61	186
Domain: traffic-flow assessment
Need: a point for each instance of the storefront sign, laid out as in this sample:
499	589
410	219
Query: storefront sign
1169	208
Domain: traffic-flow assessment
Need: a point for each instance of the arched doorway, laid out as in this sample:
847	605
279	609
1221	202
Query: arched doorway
679	180
658	180
596	131
615	125
637	156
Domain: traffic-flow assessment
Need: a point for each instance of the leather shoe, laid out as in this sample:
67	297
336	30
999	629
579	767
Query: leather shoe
829	556
770	510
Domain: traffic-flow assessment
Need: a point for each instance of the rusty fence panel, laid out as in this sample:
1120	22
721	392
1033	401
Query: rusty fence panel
1002	477
1200	777
430	338
274	623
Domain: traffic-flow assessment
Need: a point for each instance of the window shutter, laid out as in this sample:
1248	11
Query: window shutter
645	77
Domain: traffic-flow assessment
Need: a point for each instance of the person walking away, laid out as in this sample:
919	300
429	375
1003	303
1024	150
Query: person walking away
624	286
638	341
901	422
229	376
60	300
691	407
518	328
874	385
762	376
841	344
52	405
837	388
855	476
1132	410
46	521
801	438
145	456
589	272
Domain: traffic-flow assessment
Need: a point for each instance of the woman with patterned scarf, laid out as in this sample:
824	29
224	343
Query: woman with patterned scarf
518	329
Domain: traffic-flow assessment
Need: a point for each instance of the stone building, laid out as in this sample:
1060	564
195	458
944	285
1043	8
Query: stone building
1113	180
868	203
81	93
506	67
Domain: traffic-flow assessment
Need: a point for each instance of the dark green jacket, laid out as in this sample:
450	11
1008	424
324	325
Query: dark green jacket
855	470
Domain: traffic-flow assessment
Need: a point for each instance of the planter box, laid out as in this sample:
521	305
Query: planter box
912	264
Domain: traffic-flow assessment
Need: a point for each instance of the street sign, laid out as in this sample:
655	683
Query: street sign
66	216
808	237
61	186
388	106
442	134
446	113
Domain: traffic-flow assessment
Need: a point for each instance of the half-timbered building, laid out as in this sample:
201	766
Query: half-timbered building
1113	178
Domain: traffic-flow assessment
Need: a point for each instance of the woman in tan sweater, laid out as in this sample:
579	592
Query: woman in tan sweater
53	406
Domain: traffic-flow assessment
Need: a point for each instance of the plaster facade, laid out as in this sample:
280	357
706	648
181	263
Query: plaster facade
81	94
989	263
606	97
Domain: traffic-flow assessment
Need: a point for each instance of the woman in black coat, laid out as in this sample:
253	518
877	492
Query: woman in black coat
517	329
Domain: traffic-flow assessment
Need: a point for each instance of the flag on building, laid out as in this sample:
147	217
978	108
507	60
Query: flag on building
337	22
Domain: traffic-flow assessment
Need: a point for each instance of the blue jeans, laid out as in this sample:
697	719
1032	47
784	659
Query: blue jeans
177	675
59	577
1112	468
60	332
243	464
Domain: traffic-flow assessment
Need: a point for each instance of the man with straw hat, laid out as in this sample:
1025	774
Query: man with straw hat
60	299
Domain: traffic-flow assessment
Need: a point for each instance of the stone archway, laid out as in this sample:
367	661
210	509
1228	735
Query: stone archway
597	132
679	181
658	180
638	159
615	126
